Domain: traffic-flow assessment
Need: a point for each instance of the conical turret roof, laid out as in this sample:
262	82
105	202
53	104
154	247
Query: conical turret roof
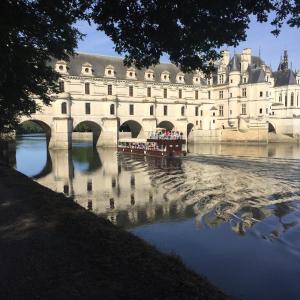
234	65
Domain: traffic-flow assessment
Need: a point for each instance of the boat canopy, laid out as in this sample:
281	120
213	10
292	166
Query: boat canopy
132	140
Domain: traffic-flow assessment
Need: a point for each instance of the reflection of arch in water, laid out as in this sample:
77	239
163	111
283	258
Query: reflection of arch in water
86	159
47	168
43	125
166	125
132	127
271	128
90	126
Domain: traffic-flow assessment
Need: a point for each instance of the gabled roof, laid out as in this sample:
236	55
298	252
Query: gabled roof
256	75
284	78
100	62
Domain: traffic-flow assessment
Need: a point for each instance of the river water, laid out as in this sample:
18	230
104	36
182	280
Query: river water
232	213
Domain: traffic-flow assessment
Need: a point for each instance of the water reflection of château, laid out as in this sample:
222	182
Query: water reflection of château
132	191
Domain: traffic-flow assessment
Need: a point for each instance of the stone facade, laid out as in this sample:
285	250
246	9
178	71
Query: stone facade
241	102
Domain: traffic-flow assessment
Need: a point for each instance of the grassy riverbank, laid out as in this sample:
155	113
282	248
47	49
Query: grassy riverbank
52	248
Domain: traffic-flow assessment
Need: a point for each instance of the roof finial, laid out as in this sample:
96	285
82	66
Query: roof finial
259	51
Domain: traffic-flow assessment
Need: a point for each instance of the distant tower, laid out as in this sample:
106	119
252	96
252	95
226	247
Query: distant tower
285	63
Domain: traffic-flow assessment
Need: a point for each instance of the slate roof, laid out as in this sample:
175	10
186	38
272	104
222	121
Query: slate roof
234	64
235	61
100	62
256	75
282	78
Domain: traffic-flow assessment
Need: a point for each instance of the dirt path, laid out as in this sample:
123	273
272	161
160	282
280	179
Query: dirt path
51	248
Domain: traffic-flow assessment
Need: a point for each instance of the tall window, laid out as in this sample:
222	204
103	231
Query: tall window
260	94
131	109
260	110
221	79
151	110
280	97
109	89
148	91
165	110
292	99
112	109
88	108
201	112
244	110
130	91
87	88
196	111
208	95
197	95
221	111
64	108
180	94
182	110
244	92
221	94
285	100
61	86
165	93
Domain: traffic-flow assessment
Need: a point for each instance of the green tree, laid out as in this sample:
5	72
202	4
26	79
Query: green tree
32	32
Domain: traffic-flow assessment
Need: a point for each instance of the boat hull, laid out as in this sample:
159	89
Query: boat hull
154	153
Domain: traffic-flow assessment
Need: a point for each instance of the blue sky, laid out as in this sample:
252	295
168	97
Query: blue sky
258	36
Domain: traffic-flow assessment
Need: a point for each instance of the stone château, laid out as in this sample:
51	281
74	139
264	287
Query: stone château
242	101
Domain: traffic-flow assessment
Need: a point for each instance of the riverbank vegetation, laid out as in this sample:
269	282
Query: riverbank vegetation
50	247
29	128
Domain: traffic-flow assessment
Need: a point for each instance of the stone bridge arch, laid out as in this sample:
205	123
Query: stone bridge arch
166	125
131	129
94	127
43	125
190	127
271	127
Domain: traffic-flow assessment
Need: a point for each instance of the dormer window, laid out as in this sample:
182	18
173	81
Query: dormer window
61	67
196	80
165	76
221	79
180	78
109	71
86	69
131	74
149	75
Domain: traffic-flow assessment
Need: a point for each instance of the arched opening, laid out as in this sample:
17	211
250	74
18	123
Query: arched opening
35	128
272	128
189	128
131	129
166	124
85	127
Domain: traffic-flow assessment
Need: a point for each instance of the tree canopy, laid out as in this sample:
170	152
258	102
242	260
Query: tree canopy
32	32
